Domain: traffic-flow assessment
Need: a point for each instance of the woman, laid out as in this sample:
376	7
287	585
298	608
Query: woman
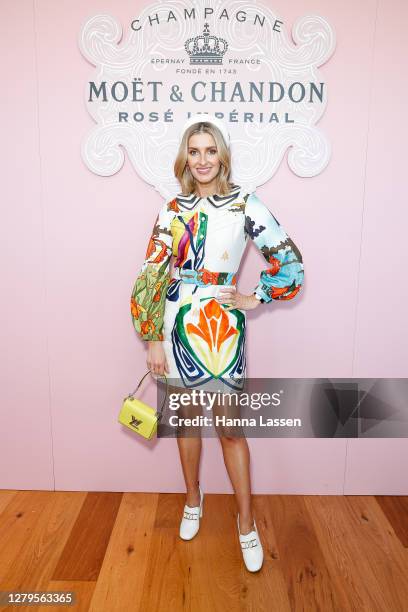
192	316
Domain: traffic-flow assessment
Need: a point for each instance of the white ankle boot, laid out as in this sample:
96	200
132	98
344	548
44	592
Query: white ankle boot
251	547
190	523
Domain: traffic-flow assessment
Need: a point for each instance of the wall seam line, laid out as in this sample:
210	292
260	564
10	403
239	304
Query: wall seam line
370	95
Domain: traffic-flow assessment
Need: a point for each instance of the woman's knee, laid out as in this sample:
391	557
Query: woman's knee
230	435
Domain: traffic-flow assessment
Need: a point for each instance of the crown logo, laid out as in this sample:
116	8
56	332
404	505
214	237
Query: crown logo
206	49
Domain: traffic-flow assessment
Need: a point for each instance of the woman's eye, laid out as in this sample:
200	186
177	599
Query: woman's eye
212	152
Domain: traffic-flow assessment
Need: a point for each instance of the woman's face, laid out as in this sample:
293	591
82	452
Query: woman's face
202	158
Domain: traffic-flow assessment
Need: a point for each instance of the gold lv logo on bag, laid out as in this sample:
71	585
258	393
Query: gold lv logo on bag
135	422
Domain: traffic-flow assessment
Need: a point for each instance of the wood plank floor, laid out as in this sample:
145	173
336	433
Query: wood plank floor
121	552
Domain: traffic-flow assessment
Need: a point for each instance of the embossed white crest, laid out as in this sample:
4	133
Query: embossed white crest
160	51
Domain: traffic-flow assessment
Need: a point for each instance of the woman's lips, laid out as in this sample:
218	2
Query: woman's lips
203	170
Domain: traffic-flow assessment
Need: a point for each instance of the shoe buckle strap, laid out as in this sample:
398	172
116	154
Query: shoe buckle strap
190	515
250	543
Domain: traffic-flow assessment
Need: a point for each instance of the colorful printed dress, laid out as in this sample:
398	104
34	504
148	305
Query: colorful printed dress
196	246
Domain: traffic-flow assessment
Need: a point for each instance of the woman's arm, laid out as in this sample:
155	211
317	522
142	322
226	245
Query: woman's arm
156	358
148	299
284	277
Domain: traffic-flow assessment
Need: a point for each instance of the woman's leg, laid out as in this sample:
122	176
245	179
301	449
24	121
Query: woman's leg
189	445
237	462
190	453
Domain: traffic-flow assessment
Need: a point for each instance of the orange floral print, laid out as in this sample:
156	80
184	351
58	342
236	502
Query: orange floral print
278	292
136	308
147	326
154	244
173	206
275	266
214	326
208	277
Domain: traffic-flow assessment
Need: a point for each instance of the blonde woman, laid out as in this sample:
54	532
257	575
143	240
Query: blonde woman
191	314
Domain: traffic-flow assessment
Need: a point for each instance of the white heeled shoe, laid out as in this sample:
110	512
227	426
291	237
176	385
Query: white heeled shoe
251	548
190	523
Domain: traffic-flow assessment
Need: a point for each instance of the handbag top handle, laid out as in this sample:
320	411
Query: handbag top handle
159	412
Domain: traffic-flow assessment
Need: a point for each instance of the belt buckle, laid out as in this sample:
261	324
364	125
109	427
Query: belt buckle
188	275
194	276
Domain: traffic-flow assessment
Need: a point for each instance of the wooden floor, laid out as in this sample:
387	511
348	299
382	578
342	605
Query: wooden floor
122	552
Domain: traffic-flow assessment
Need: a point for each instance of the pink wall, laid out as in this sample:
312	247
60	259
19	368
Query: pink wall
72	243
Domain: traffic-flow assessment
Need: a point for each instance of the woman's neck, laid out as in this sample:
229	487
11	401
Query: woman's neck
205	191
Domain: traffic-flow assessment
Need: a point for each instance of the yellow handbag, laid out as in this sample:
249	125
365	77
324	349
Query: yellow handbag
141	417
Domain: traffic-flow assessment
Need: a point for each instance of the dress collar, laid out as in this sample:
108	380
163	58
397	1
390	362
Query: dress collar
218	201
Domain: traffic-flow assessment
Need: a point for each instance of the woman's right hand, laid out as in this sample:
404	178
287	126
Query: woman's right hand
156	358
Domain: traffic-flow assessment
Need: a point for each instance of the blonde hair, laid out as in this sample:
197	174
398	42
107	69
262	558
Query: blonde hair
182	171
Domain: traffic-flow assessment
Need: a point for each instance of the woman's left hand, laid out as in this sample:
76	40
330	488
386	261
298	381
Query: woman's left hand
237	299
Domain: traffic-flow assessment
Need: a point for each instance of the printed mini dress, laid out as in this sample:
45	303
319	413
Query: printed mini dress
196	248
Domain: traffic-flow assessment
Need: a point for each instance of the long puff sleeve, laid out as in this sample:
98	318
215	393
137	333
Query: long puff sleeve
283	278
148	299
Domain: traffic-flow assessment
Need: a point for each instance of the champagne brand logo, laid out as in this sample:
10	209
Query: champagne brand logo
238	60
206	49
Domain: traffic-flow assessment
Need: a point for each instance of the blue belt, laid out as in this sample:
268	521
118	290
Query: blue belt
204	277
